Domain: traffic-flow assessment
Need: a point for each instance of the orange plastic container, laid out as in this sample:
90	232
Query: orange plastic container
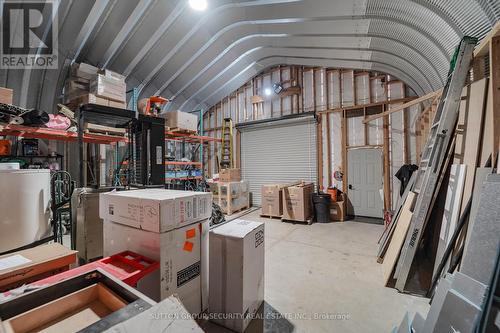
333	193
4	147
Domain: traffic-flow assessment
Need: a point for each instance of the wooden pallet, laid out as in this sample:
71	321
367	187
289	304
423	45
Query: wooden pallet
181	130
270	216
100	129
231	212
308	221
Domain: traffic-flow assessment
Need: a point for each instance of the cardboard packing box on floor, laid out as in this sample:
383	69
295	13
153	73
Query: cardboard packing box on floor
297	204
33	264
236	272
156	210
182	120
183	257
271	200
229	175
6	95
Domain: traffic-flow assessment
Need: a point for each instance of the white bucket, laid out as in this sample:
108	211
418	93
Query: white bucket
9	166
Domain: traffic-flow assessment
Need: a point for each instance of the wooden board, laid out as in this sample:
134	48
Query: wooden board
398	238
70	313
487	140
477	99
451	210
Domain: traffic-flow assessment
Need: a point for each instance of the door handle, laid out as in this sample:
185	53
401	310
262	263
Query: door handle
350	186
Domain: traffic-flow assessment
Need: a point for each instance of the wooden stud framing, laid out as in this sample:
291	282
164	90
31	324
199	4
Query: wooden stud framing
319	145
328	150
495	89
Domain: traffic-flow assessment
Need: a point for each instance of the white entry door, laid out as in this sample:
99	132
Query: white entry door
365	180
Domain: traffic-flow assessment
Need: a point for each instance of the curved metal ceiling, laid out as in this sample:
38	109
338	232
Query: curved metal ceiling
165	47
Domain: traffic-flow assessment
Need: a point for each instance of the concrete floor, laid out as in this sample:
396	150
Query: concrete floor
327	271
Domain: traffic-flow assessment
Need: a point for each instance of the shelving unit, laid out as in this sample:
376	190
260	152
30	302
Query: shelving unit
187	138
59	135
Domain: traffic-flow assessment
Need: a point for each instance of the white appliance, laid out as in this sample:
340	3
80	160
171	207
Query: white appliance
24	207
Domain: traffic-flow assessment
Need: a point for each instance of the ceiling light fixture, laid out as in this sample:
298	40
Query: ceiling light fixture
267	92
198	4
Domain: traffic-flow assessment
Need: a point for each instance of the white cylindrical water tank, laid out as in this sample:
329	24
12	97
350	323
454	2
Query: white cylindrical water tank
24	207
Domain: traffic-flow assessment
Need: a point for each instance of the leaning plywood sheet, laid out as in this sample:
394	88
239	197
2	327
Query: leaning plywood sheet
451	212
477	99
479	258
398	238
487	141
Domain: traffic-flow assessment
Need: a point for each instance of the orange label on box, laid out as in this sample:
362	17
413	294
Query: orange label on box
188	246
191	233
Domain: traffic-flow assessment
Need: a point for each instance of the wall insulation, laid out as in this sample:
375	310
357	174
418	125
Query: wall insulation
341	98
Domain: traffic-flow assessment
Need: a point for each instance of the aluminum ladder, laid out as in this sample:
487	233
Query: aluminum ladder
434	155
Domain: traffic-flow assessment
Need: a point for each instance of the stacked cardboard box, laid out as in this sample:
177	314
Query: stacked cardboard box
6	95
165	225
182	121
236	272
230	175
233	196
271	200
297	204
88	84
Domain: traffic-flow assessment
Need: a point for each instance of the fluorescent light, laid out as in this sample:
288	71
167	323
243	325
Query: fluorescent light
267	92
198	4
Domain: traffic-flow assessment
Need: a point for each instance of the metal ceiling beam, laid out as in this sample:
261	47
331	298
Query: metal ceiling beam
135	17
247	52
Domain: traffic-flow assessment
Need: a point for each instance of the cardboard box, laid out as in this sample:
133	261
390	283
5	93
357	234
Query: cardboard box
74	88
113	75
109	88
86	99
6	95
233	188
183	257
119	105
156	210
232	204
271	200
297	204
338	209
33	264
236	272
182	121
229	175
84	71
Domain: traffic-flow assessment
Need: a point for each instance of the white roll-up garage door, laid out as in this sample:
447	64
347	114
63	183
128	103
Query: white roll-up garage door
278	152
